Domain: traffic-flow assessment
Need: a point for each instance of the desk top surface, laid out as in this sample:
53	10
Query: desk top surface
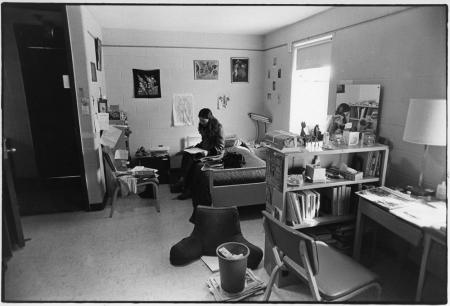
422	213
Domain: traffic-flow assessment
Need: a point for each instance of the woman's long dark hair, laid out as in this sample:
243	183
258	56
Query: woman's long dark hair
213	126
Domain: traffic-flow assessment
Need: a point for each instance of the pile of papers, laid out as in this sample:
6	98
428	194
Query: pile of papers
143	171
420	212
385	197
253	286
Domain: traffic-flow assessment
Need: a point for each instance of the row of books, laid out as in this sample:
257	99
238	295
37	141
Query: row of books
372	164
302	206
337	200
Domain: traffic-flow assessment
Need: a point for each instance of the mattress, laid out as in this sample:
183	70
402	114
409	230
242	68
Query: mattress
254	170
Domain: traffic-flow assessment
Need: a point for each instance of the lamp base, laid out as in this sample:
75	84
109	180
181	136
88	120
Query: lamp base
419	191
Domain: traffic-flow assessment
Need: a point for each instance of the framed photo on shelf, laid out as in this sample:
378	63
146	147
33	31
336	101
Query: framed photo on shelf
102	105
206	70
147	83
239	69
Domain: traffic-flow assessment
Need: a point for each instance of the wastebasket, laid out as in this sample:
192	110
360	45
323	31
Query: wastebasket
232	270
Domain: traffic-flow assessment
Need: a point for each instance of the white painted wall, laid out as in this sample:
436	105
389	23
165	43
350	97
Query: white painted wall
173	53
82	26
405	52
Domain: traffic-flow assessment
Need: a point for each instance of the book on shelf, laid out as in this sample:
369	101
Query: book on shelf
336	200
302	206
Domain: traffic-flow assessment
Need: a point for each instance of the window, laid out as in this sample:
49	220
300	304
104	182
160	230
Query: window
310	83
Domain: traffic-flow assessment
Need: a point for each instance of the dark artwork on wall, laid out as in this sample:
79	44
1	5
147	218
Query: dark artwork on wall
146	83
93	72
98	53
239	69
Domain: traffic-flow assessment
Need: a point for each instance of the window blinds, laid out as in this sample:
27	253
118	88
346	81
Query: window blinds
314	55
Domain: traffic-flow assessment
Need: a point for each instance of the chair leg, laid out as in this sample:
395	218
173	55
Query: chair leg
114	198
271	282
155	192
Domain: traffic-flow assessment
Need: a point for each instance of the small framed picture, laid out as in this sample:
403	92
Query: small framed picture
102	105
98	53
93	72
206	70
239	69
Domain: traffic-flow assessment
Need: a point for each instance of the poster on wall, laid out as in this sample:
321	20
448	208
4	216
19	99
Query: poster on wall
206	70
146	83
239	69
183	109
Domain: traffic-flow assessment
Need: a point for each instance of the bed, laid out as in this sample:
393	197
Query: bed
234	186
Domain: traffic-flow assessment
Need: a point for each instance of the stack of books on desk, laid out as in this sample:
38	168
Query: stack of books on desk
253	286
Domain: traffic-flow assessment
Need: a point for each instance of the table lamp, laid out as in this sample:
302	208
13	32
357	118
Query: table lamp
426	124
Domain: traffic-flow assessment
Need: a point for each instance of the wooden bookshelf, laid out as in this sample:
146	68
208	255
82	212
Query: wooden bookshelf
279	164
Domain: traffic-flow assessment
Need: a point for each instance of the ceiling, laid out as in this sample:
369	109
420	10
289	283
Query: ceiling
251	20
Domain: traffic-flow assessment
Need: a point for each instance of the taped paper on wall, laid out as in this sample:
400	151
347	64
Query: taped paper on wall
183	109
110	137
121	154
103	121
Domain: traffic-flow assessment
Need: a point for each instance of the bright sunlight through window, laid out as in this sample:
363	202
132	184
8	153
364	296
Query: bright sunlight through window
309	98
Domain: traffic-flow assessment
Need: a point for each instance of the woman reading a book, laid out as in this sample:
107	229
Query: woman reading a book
212	144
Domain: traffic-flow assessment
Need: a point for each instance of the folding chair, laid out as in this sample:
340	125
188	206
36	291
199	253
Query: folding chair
331	275
113	183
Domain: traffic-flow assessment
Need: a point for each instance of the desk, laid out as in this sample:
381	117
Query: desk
413	233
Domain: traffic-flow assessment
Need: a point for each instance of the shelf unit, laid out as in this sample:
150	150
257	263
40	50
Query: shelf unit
278	163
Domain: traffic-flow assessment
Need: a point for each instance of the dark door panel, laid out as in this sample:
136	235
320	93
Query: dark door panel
49	104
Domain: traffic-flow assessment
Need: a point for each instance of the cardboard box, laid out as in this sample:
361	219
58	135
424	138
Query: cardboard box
281	139
317	174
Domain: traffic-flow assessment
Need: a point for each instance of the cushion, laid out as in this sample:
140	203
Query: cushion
185	251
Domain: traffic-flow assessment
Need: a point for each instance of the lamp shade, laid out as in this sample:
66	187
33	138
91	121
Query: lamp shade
426	122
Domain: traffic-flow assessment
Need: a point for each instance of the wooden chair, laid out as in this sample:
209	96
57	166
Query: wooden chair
113	183
331	275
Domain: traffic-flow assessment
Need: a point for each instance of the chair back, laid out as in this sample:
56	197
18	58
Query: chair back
109	169
287	240
216	225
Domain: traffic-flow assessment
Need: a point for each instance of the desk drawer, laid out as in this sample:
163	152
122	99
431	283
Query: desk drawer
402	228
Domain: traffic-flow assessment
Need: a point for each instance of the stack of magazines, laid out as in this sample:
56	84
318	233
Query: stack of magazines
253	286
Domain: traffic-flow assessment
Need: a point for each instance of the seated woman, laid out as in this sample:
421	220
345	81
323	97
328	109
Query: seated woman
212	141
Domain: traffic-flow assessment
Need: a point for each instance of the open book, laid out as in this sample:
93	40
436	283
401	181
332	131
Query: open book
195	151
